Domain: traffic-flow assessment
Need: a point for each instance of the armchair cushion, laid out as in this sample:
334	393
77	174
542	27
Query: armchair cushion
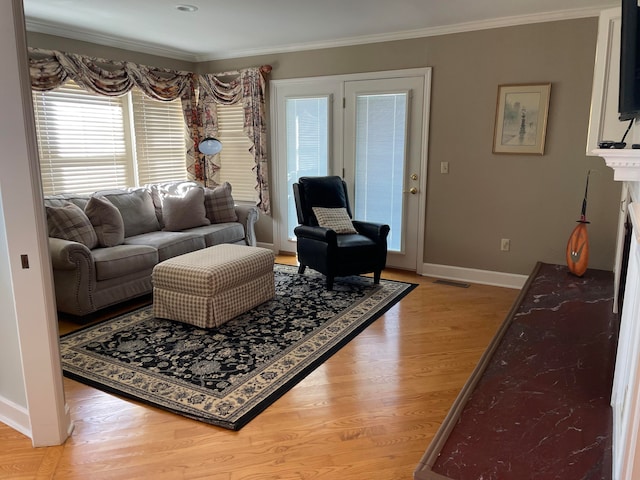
69	222
336	219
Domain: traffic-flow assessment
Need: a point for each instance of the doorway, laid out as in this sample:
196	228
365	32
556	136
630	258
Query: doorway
369	129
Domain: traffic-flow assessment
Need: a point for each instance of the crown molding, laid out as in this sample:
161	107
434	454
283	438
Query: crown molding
153	49
107	40
418	33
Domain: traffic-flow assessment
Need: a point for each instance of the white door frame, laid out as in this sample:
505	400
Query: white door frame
276	89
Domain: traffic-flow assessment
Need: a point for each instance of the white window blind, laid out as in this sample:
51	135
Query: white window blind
81	141
236	161
159	139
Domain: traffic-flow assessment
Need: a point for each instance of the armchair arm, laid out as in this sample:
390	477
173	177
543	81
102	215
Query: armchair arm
316	233
377	231
248	216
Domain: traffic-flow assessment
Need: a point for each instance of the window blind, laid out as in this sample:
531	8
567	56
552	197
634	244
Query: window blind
236	161
159	139
81	141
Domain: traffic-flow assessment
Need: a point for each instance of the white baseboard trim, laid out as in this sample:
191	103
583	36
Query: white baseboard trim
270	246
472	275
16	416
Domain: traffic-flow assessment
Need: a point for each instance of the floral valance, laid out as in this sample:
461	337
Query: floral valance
247	87
49	69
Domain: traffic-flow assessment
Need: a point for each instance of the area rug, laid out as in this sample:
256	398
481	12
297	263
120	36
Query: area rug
226	376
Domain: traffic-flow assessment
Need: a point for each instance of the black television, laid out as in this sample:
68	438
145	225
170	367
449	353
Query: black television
629	93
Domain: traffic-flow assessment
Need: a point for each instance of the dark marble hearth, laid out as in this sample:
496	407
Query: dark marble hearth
540	408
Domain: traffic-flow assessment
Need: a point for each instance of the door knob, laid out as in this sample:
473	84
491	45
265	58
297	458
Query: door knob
414	176
413	190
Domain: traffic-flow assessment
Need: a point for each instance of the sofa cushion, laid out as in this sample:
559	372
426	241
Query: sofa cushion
69	222
121	260
168	244
337	219
136	208
180	212
232	232
106	221
219	204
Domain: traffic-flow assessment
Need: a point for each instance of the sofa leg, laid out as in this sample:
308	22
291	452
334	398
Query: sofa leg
301	268
376	277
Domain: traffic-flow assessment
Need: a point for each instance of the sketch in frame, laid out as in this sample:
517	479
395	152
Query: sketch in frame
521	119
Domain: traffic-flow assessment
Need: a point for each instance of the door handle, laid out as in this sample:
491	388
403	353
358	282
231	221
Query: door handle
412	191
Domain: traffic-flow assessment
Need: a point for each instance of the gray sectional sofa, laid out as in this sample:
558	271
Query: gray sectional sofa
104	246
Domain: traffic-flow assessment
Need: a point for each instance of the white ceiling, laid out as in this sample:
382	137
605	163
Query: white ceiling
237	28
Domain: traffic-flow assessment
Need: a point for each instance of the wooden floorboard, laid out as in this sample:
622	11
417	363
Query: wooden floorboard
369	412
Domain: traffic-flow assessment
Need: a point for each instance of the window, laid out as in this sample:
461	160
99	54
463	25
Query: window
236	160
159	139
90	142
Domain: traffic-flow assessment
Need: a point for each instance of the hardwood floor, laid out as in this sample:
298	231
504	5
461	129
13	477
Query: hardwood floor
368	413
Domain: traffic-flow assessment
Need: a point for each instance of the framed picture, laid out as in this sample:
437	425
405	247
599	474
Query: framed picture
521	119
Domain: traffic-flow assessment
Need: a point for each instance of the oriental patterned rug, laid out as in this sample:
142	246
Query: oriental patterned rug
226	376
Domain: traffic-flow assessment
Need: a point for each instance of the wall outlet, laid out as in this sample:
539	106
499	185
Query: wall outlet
505	244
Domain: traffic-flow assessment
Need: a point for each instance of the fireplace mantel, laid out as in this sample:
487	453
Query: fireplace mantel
624	162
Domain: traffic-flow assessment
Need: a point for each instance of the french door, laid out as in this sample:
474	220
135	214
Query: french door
369	130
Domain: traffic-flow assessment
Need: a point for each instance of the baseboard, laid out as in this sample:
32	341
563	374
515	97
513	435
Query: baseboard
472	275
14	415
266	245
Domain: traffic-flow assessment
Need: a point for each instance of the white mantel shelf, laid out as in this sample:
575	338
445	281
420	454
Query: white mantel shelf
624	162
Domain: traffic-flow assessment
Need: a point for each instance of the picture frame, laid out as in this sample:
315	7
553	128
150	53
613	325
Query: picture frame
521	118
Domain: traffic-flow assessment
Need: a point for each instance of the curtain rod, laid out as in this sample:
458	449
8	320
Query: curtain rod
263	69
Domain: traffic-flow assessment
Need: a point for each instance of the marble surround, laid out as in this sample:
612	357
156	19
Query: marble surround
540	406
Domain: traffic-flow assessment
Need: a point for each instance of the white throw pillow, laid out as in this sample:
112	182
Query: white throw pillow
180	212
337	219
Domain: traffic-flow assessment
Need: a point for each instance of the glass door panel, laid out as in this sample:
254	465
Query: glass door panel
307	145
380	154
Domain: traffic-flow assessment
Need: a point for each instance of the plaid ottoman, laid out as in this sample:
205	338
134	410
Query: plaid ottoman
208	287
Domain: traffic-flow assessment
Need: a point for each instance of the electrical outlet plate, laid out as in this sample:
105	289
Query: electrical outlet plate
505	244
444	167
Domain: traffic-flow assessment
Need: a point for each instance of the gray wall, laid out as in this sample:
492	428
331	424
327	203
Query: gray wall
533	200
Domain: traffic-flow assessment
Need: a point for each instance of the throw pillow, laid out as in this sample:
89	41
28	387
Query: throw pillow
180	212
106	221
336	219
70	223
219	204
138	213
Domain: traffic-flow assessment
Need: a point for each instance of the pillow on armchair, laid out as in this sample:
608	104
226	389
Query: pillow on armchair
337	219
